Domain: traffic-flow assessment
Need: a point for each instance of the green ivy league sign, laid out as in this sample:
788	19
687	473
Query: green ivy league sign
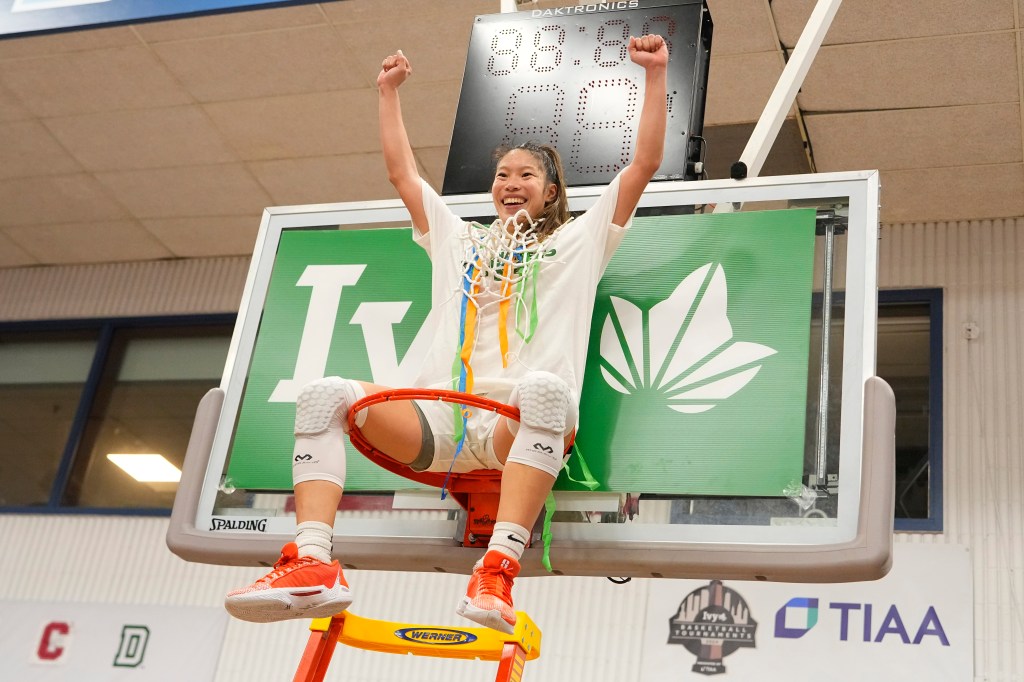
696	378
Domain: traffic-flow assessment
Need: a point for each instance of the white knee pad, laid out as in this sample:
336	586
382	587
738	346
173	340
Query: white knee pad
545	402
547	413
321	422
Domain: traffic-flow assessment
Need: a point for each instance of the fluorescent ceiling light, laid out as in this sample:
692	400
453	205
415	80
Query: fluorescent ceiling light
150	468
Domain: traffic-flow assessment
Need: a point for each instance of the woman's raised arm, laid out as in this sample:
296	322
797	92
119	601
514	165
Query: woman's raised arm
398	157
650	52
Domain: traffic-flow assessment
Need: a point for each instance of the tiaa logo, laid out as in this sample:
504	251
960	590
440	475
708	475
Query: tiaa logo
682	348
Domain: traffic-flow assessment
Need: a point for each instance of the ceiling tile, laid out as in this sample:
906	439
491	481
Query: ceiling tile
188	191
741	26
56	199
265	64
919	138
97	80
102	242
429	112
433	161
150	138
933	72
12	255
967	193
228	23
10	108
300	125
69	41
435	45
877	20
739	86
27	148
325	180
207	237
397	11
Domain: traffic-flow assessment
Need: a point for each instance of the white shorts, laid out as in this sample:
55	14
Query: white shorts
477	450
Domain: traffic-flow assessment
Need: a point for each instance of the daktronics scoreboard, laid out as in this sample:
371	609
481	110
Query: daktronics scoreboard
563	77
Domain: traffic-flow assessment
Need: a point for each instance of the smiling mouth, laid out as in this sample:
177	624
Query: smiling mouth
513	201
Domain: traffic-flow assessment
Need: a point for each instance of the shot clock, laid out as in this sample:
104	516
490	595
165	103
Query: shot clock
563	76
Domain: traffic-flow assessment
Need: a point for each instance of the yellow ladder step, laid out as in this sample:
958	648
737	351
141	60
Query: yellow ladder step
442	641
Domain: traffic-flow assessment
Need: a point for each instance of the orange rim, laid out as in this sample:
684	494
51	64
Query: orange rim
432	478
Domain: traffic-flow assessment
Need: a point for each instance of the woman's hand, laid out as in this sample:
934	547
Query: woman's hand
394	70
648	51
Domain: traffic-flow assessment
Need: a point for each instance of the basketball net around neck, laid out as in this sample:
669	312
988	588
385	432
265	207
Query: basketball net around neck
500	266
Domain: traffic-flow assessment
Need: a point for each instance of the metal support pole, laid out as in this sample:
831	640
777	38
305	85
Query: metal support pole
784	94
821	443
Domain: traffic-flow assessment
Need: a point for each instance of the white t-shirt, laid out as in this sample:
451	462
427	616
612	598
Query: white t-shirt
574	258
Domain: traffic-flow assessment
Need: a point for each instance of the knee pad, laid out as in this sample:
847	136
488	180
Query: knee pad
325	403
321	423
547	413
546	403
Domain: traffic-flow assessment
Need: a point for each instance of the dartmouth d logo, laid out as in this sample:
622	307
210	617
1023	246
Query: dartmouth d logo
682	349
712	622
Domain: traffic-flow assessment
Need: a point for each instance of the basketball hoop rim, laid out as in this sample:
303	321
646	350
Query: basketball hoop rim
442	395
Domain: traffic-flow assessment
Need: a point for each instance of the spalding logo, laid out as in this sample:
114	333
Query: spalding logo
442	636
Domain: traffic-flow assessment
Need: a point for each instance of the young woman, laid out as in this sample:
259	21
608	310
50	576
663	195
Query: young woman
515	301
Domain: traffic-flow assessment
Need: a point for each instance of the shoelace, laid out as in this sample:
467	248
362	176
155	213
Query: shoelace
496	582
285	565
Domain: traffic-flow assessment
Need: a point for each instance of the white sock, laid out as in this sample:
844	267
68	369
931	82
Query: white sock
315	539
509	539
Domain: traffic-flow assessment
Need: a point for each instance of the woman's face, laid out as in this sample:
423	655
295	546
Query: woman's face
520	183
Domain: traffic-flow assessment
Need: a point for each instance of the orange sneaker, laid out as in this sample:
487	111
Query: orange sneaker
298	587
488	599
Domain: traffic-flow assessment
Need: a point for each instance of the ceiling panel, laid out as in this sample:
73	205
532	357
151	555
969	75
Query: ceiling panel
943	194
91	81
430	115
206	237
149	138
314	124
10	108
70	41
102	242
30	149
740	27
920	138
226	189
924	72
56	199
435	44
739	86
281	62
324	180
433	161
12	255
867	21
230	23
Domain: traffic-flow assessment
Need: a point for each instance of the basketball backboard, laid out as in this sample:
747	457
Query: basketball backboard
700	411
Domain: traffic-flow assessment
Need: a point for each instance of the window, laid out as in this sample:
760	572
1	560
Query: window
910	360
70	398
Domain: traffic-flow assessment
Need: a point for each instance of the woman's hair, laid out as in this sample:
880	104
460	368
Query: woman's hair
556	213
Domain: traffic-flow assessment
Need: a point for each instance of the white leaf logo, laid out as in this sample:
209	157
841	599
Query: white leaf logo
683	350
